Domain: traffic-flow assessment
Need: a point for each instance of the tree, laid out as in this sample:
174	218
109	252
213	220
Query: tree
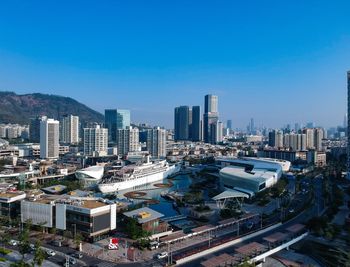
24	247
39	255
5	238
77	240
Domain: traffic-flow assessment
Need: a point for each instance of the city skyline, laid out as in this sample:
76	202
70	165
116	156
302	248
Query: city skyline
118	61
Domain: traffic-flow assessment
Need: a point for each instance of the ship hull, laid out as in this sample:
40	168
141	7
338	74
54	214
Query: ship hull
133	183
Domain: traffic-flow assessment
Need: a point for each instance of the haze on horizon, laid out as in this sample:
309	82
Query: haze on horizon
278	62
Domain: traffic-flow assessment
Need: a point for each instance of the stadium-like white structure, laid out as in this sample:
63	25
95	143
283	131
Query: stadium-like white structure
91	174
250	175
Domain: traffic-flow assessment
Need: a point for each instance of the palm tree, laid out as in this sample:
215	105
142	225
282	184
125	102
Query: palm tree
39	255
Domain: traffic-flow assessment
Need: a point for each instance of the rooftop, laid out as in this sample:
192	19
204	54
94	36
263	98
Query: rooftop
144	215
10	194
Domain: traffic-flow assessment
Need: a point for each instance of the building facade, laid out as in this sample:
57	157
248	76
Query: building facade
210	117
128	140
49	139
95	141
116	119
156	142
69	129
182	123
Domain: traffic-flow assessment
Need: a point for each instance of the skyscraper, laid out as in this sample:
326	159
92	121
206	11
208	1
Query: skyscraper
229	125
116	119
196	124
348	125
95	141
211	104
156	142
210	117
49	139
34	128
182	123
69	129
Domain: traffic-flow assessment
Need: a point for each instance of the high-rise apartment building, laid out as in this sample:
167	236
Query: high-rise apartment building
69	129
156	142
95	141
319	135
128	140
49	139
310	138
116	119
182	123
210	117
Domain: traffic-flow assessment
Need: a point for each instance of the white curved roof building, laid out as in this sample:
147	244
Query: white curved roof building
249	175
93	173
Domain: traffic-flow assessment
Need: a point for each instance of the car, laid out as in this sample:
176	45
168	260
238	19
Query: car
13	242
72	261
50	252
162	255
291	210
56	243
77	255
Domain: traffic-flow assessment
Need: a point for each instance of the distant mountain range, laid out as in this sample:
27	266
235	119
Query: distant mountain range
20	108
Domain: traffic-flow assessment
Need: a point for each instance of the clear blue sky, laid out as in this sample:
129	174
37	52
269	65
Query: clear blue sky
277	61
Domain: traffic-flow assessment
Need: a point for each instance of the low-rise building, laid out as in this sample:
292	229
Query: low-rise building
90	217
149	220
10	203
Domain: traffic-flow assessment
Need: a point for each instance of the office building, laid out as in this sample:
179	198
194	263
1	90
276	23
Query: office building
229	125
89	217
210	117
182	123
95	141
196	132
10	204
156	142
34	128
211	104
69	129
348	124
116	119
128	140
49	139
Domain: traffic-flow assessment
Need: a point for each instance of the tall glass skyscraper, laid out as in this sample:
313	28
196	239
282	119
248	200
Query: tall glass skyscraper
182	122
196	124
210	116
116	119
348	125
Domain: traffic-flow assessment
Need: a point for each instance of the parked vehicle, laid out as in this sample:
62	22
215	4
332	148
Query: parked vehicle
57	243
78	255
50	253
162	255
72	261
13	242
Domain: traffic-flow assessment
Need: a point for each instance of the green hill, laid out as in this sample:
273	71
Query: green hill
20	108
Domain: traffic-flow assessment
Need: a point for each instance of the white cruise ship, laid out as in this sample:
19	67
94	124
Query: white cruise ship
132	176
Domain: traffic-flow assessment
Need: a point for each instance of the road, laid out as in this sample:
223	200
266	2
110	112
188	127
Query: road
299	202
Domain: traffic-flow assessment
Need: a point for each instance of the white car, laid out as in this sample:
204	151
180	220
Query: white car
50	252
13	242
162	255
